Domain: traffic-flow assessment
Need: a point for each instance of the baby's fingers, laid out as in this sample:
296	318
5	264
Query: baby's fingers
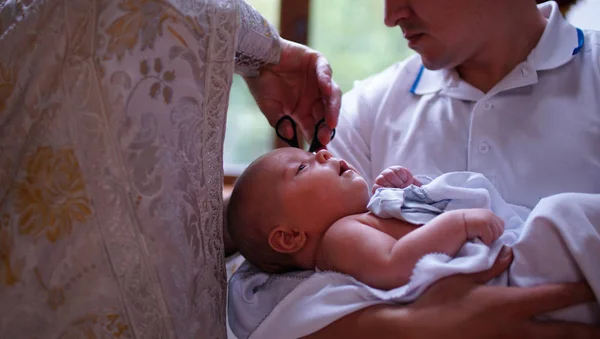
398	176
487	234
383	181
498	226
375	187
380	183
487	237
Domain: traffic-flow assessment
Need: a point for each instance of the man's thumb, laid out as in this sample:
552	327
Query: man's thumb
502	262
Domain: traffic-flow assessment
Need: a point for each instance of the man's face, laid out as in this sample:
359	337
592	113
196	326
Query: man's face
445	33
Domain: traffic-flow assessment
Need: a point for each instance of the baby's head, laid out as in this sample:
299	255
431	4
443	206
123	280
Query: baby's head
284	202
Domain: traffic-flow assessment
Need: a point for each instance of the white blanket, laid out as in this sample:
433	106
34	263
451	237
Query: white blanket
559	241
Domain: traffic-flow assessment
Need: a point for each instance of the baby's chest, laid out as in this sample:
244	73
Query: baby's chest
396	228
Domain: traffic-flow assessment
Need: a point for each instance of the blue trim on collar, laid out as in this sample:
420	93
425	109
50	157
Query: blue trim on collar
416	83
580	40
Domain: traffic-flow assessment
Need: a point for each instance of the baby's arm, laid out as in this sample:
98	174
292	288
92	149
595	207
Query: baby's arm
380	261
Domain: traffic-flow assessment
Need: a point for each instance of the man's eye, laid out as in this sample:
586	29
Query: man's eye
300	168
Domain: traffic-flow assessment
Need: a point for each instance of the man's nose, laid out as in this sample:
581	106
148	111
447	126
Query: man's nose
396	10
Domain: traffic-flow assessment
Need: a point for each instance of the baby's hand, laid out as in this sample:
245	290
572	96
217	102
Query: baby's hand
483	224
396	177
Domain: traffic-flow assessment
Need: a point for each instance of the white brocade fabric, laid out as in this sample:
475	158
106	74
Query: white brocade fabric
112	118
257	42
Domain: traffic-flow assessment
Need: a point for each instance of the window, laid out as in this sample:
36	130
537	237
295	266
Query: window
352	36
248	134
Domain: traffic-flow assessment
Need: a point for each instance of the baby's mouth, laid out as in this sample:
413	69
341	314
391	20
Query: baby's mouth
343	167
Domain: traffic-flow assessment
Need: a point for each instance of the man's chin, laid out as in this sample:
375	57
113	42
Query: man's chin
434	61
432	65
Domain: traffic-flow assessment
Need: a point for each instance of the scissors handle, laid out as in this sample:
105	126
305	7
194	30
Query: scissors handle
316	145
290	141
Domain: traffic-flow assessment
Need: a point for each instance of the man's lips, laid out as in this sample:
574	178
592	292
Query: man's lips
410	34
412	38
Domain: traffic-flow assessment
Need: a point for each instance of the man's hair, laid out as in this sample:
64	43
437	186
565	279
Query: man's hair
248	218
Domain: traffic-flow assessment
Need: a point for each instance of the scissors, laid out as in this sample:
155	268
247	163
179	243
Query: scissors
315	145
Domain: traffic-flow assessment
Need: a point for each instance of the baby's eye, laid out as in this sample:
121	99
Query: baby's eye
300	168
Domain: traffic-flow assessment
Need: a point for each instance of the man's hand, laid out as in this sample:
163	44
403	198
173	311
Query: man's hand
480	311
396	177
300	86
461	307
483	224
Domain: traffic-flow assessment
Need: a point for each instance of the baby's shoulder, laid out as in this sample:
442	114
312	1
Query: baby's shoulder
344	234
359	225
350	229
353	221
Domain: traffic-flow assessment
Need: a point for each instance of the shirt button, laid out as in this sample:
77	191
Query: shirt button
484	147
488	106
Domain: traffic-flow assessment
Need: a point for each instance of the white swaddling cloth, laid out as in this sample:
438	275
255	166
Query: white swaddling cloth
559	241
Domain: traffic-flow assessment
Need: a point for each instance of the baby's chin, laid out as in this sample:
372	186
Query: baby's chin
358	204
365	194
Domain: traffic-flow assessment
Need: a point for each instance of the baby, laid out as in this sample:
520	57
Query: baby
295	210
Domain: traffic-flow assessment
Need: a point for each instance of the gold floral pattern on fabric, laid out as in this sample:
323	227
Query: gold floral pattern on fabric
141	19
56	296
162	79
120	104
52	196
94	326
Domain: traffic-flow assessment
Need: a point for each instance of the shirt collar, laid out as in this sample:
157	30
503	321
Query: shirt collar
558	33
545	56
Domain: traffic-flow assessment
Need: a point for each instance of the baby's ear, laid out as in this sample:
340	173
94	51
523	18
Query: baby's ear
284	239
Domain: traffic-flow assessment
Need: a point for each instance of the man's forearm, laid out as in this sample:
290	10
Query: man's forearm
380	321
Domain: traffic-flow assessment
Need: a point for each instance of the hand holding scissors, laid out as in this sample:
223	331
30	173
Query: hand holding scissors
300	86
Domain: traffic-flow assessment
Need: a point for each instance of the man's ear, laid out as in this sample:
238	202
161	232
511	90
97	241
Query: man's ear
285	239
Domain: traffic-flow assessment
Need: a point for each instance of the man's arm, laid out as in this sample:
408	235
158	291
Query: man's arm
459	307
379	260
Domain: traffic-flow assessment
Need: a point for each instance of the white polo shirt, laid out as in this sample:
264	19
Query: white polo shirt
536	133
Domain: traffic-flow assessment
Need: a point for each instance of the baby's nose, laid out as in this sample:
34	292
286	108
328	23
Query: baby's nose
323	155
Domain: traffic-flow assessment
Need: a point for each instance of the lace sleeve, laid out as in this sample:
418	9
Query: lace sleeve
257	42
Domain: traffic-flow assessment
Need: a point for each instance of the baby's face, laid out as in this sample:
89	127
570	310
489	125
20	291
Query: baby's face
315	190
